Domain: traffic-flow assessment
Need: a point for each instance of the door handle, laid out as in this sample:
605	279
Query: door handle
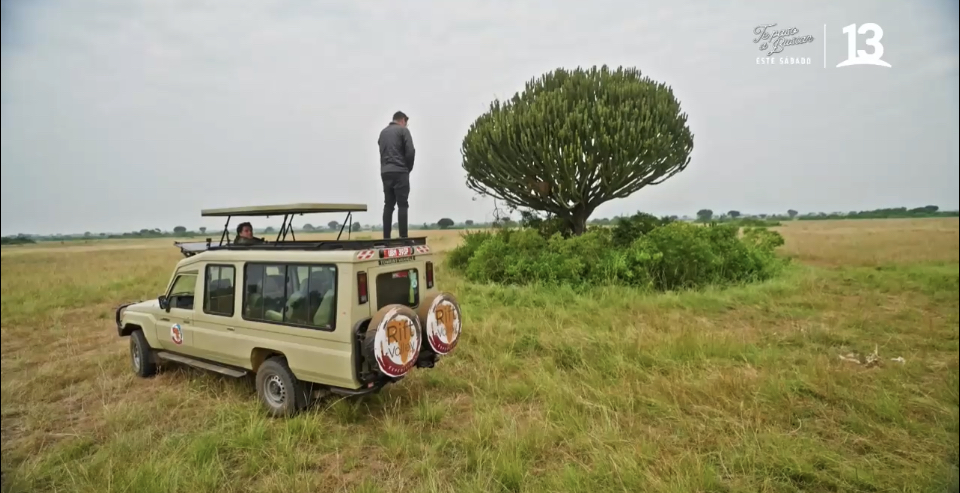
164	319
187	321
230	329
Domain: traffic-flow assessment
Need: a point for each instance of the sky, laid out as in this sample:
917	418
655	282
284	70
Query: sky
128	114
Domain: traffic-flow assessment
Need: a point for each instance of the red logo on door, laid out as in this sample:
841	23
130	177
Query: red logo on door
176	334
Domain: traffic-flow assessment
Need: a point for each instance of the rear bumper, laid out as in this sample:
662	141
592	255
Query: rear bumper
371	381
427	359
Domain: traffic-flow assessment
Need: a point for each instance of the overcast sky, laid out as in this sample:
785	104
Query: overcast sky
129	114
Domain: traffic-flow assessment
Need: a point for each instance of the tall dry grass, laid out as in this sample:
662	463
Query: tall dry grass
741	390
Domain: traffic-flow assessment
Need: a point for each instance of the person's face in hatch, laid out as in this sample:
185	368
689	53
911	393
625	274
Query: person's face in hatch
246	231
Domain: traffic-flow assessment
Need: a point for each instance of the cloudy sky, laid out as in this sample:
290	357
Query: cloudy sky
127	114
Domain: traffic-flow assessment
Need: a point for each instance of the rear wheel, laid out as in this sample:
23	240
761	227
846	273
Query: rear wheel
141	355
279	390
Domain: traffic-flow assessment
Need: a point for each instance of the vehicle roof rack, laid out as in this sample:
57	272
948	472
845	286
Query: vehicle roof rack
287	211
283	210
193	248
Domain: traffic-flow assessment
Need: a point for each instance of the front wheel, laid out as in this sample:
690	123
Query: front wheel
141	355
279	390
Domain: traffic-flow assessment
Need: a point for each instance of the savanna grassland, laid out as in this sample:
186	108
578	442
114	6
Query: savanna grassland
735	390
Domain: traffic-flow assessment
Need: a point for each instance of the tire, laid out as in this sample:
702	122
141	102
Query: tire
279	390
391	345
141	355
440	336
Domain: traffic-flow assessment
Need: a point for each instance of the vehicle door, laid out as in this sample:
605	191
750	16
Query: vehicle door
174	326
214	330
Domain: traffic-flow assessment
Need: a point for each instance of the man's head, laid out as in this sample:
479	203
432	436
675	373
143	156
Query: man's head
245	230
400	118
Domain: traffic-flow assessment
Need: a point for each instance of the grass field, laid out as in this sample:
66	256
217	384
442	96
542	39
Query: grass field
742	390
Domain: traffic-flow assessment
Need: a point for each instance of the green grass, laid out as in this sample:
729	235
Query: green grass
736	390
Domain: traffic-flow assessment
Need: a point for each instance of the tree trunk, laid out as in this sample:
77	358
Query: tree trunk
579	227
578	220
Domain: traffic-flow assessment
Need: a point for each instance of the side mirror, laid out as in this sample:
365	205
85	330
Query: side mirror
164	302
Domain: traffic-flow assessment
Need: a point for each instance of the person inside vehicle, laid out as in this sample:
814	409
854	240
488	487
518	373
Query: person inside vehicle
245	235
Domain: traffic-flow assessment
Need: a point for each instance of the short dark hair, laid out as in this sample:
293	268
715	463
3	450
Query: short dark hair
241	225
400	116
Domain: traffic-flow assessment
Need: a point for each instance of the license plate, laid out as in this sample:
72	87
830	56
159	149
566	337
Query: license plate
396	252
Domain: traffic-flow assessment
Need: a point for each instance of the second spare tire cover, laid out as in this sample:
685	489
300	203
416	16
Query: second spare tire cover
440	315
393	340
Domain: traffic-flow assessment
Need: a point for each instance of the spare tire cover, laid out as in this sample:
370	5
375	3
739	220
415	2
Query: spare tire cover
393	338
440	316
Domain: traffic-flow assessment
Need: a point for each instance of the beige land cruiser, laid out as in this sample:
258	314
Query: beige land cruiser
306	317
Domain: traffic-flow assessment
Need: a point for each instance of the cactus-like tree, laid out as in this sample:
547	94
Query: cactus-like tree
574	139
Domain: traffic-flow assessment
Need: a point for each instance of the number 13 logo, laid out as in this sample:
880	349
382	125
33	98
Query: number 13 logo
861	57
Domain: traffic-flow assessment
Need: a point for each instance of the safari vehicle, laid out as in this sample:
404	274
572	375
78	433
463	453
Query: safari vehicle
307	318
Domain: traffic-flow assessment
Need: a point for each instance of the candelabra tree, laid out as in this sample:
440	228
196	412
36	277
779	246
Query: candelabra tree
574	139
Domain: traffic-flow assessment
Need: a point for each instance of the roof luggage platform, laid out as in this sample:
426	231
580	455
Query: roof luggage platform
286	228
283	210
193	248
288	211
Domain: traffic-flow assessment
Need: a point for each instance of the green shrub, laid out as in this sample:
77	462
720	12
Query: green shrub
547	226
640	251
627	229
459	257
694	256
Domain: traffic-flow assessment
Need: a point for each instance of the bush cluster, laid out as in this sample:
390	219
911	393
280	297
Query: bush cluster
640	250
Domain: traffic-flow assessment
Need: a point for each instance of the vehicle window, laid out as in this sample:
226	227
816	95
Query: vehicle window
253	292
274	291
401	287
298	295
294	306
181	294
302	271
220	291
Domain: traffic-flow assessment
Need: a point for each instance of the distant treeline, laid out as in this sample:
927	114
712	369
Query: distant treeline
703	215
16	240
898	212
22	239
707	215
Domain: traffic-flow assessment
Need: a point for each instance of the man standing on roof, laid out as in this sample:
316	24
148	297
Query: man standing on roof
396	163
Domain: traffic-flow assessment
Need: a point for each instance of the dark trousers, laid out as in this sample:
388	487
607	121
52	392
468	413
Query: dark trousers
396	189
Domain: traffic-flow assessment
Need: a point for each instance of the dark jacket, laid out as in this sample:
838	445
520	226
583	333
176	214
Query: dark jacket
241	240
396	149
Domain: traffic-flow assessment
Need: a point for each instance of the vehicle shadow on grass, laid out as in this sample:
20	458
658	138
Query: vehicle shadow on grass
205	380
346	409
393	400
